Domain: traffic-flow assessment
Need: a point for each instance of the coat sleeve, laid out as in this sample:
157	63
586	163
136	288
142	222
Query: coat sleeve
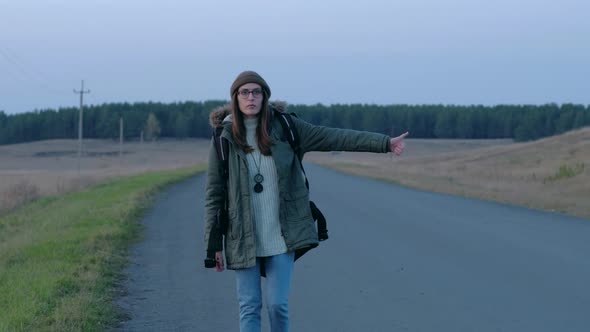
214	191
319	138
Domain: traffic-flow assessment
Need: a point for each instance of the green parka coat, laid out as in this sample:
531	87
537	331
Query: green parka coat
297	226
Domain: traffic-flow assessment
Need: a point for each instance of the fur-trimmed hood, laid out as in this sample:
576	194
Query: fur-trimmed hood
222	114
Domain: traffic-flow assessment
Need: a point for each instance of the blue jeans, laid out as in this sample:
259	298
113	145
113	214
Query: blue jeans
279	269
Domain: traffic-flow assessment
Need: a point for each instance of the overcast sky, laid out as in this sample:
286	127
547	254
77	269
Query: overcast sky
324	51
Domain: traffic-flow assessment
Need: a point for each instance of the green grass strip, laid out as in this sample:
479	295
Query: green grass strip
61	257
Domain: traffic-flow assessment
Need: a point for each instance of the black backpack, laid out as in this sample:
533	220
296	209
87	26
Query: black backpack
222	147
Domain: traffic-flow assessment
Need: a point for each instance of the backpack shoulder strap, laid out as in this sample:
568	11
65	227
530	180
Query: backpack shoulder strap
292	137
289	131
222	148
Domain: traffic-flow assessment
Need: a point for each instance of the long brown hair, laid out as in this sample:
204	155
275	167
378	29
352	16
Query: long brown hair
262	129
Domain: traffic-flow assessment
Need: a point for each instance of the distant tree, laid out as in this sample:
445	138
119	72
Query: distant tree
579	120
3	131
531	126
445	124
182	126
549	115
565	120
567	117
107	122
464	127
507	121
3	119
152	127
134	120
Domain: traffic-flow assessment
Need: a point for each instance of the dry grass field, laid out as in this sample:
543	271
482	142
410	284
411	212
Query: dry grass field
30	170
551	174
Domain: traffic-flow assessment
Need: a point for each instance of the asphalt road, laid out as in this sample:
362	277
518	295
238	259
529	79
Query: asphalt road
397	260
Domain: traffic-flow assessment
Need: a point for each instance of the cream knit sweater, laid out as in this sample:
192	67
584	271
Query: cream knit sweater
265	205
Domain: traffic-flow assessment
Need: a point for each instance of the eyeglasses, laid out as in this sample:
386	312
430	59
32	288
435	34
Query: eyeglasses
245	93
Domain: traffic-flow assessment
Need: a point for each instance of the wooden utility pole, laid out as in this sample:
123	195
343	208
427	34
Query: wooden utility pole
81	92
120	137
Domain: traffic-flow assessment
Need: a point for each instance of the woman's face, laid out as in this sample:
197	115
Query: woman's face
250	96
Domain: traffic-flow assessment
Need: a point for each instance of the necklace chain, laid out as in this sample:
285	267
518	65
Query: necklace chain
259	161
258	178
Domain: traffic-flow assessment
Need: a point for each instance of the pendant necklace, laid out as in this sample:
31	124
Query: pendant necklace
258	178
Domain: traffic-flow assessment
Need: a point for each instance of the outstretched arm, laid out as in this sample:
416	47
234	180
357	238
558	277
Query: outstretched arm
320	138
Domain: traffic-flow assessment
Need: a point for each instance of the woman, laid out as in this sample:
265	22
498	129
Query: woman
268	201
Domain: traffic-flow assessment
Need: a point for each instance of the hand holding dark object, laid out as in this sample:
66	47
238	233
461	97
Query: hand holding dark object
216	262
215	245
397	145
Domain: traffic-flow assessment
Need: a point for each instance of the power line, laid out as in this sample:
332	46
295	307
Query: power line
26	72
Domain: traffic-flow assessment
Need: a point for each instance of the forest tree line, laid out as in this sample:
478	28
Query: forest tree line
191	119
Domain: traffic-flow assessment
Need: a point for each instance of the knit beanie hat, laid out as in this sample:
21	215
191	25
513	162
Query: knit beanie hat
249	77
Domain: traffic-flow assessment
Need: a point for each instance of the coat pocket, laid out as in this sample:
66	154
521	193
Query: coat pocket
297	206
